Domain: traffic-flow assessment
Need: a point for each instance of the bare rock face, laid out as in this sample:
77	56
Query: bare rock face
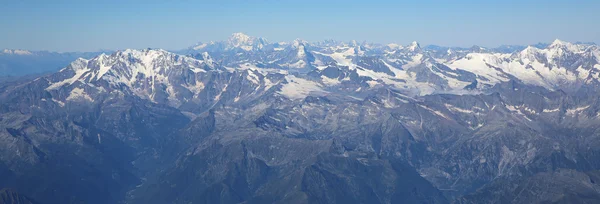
247	121
10	196
560	186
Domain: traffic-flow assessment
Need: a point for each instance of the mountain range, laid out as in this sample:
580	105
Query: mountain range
250	121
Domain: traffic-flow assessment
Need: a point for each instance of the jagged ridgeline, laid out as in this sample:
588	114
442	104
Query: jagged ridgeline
250	121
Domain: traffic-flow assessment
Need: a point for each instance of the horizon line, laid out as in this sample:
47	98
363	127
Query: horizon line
312	42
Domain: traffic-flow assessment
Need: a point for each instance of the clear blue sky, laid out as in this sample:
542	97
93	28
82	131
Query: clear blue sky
82	25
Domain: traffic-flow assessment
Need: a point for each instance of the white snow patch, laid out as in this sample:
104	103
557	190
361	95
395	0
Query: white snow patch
342	58
527	109
80	68
79	94
517	109
576	110
329	81
298	88
434	111
478	63
60	103
103	68
298	64
246	47
372	83
551	110
199	47
457	109
252	77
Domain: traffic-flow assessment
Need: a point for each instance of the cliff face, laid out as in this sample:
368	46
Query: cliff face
10	196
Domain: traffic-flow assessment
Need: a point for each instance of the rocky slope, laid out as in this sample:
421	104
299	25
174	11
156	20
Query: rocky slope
9	196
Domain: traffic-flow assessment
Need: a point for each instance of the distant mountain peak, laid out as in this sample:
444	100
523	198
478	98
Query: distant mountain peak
476	48
558	42
238	39
16	52
299	42
240	35
245	42
530	48
206	57
559	46
394	46
125	65
414	46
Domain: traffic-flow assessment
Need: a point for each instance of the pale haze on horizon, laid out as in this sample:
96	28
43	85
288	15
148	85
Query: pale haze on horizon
91	26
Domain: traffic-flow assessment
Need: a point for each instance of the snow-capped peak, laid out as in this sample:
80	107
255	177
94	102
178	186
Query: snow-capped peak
529	50
476	48
245	42
394	46
558	42
16	52
300	46
200	46
531	53
298	42
207	58
238	39
414	46
548	65
128	66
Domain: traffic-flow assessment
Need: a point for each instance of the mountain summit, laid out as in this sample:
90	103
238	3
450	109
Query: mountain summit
237	41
